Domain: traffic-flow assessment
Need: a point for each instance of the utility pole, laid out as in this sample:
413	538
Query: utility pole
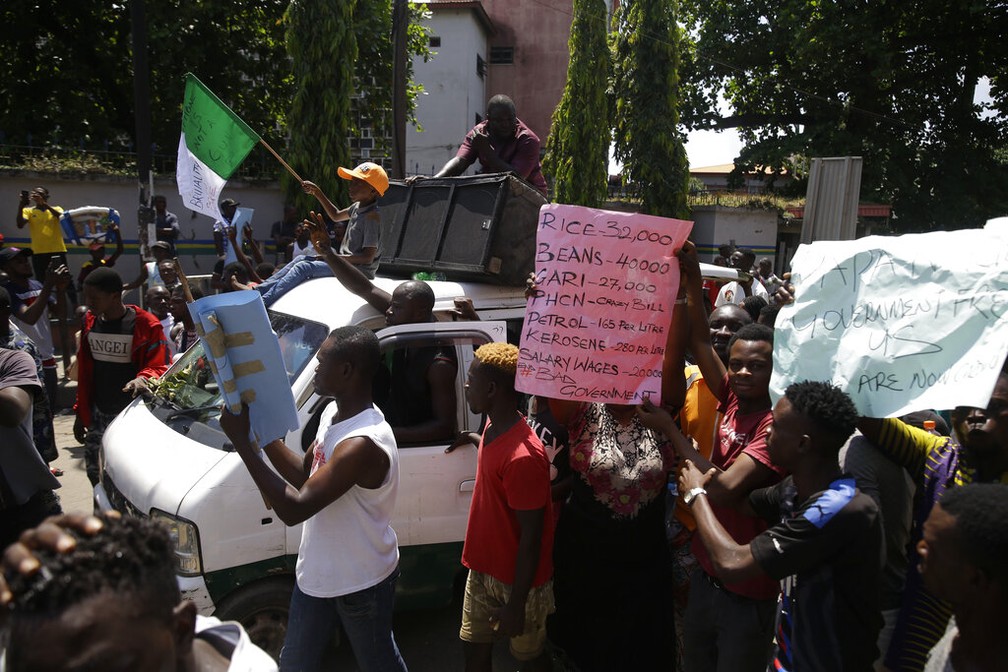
141	106
400	25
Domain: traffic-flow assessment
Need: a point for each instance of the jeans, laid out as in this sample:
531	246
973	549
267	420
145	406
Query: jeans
366	617
290	276
92	442
725	632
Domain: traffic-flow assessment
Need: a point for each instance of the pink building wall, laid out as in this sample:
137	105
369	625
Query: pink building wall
538	30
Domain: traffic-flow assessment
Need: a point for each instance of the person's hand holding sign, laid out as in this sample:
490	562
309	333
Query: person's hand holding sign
689	264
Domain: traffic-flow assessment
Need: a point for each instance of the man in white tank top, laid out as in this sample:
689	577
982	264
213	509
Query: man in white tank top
344	491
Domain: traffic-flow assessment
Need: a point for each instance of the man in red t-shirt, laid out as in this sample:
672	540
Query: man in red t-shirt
727	626
509	541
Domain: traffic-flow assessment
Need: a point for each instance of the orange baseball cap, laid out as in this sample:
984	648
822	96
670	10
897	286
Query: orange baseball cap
371	173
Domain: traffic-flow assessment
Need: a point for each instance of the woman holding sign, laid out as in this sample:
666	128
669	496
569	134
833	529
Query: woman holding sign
613	594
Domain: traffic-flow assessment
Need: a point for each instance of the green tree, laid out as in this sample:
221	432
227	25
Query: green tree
71	68
71	71
66	65
578	148
647	98
891	82
373	68
323	49
235	47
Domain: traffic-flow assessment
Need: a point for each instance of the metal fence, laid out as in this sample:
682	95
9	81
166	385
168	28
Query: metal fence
259	166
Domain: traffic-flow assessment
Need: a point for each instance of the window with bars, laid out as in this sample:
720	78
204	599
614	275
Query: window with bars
501	55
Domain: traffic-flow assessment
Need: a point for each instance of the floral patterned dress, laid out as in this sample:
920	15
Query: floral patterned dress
612	569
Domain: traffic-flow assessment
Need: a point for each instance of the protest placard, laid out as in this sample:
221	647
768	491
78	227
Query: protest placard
901	323
605	286
245	358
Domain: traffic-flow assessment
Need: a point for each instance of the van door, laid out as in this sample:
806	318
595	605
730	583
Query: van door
435	488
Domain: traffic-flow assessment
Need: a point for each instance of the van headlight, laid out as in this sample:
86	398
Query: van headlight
185	539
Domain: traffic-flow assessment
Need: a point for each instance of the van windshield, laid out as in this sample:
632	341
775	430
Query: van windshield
189	384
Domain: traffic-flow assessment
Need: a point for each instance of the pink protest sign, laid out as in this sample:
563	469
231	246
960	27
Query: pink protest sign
605	286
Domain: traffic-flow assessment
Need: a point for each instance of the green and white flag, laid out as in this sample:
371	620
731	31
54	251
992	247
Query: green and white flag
214	142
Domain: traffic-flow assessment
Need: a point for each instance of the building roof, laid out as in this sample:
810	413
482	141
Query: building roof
726	168
474	5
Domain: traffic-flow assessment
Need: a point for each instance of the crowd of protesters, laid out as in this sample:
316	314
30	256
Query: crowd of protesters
716	532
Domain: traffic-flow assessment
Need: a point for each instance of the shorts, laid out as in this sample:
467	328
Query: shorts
484	594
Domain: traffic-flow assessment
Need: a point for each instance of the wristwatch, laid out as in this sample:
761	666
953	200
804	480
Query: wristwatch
692	494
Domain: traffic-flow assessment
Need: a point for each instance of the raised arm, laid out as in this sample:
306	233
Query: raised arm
710	364
55	278
334	213
673	381
904	444
119	245
22	204
249	238
354	461
345	272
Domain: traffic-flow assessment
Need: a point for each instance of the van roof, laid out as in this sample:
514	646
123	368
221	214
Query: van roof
326	300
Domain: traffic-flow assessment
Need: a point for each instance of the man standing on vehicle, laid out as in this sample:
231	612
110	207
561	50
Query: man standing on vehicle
121	346
502	143
344	491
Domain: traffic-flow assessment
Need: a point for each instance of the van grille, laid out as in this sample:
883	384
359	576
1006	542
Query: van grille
118	500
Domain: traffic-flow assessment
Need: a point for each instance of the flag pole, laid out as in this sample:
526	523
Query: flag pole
282	162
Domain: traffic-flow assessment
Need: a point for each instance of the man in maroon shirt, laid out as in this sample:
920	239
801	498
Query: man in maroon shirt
502	143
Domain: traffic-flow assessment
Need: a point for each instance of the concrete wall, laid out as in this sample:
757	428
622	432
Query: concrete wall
455	93
195	248
747	228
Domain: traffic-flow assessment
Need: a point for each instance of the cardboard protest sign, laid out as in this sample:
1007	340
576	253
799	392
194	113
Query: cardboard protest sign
606	282
245	358
241	217
901	323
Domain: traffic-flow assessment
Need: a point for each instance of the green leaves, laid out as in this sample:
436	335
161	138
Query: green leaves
578	147
891	82
647	93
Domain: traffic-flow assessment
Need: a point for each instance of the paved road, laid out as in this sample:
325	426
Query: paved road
428	639
75	495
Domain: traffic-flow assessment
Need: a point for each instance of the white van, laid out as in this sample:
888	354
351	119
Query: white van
167	458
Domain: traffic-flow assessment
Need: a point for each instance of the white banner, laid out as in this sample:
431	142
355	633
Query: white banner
900	323
199	186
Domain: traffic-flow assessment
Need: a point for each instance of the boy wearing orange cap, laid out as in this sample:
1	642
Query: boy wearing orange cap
360	245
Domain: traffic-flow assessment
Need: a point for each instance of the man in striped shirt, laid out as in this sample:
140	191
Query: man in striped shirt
937	463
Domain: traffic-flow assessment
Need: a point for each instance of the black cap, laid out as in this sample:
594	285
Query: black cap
8	253
229	202
160	244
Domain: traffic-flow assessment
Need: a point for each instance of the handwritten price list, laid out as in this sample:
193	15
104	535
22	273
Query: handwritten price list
596	326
